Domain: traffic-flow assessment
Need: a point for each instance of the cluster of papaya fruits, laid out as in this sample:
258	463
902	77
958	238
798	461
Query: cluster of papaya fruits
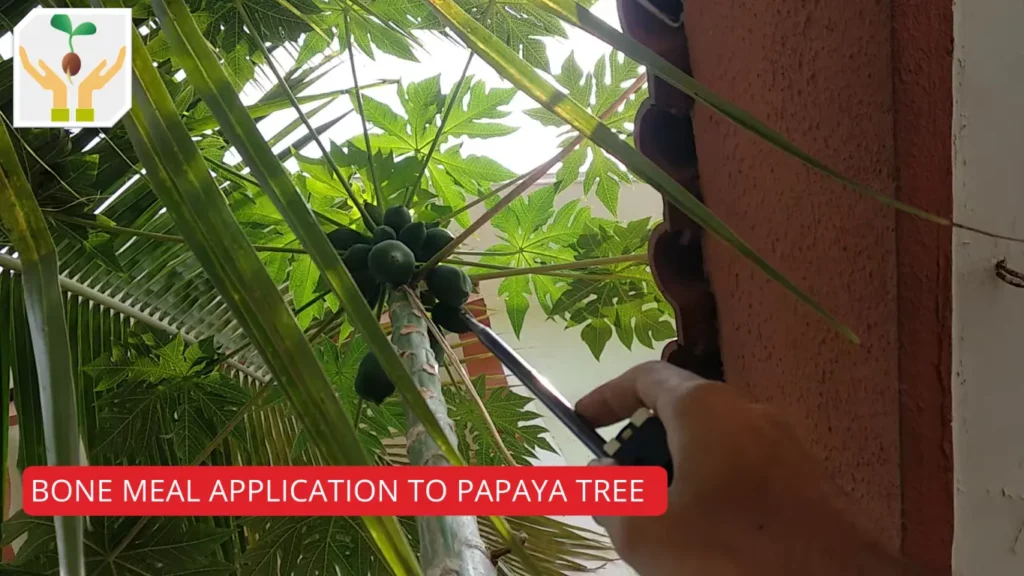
391	254
390	257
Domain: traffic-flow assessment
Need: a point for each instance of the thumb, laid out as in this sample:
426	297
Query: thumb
606	522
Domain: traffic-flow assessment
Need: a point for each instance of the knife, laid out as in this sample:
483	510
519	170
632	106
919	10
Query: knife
642	442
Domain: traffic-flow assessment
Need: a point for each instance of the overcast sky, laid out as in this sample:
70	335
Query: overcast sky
531	145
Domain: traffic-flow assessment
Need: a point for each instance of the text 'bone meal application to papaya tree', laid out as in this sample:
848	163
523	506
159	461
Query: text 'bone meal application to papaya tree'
345	491
72	68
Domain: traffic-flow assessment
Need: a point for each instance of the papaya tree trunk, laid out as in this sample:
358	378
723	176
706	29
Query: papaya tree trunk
449	545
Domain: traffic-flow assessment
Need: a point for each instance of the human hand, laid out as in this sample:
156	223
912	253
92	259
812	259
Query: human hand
97	79
47	79
747	497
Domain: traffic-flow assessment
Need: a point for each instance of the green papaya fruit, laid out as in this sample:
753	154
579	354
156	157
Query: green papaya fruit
368	287
451	285
450	318
372	383
391	262
428	299
344	238
413	235
382	233
433	242
397	217
357	257
376	214
437	349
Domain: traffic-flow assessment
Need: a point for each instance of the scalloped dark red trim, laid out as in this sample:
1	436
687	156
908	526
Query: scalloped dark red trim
663	131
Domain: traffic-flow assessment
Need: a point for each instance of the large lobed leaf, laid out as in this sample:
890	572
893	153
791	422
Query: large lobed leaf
319	546
166	546
514	69
153	392
451	176
595	91
511	418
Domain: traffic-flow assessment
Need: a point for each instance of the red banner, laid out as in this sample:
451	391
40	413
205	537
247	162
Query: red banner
344	491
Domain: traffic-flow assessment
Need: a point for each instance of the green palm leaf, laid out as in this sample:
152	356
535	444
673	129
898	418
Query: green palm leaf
180	178
44	309
577	15
208	79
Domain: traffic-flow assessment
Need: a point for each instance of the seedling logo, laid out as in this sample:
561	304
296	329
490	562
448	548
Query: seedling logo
71	63
92	49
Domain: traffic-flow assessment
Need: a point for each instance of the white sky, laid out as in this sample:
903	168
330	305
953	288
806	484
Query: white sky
521	151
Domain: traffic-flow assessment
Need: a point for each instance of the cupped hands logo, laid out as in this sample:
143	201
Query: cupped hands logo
92	49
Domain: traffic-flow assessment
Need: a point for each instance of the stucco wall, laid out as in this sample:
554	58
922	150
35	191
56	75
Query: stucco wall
988	315
821	73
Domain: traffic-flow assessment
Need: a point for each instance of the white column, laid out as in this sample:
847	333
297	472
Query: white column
988	314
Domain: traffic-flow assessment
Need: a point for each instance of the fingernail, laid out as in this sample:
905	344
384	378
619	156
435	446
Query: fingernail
602	462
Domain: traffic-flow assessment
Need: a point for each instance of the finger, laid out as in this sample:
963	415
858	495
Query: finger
106	76
49	71
641	386
27	64
603	521
98	70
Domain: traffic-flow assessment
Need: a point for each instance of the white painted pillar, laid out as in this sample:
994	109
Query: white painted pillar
988	314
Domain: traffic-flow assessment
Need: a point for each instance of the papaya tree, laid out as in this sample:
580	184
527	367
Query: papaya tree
224	296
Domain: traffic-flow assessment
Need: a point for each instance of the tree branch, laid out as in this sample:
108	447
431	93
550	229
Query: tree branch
362	117
410	193
367	221
553	269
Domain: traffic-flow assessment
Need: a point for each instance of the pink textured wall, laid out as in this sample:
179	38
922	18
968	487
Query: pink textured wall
821	72
923	98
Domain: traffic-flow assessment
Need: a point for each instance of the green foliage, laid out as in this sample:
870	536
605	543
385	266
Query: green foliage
153	389
531	232
630	304
451	176
520	25
516	425
385	423
155	399
597	91
339	542
313	545
171	546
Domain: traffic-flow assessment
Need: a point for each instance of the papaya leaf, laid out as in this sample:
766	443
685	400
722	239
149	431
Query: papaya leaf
308	545
517	425
596	91
152	391
171	546
596	335
407	134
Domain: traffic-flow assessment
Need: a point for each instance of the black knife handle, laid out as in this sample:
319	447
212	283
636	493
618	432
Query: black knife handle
642	442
